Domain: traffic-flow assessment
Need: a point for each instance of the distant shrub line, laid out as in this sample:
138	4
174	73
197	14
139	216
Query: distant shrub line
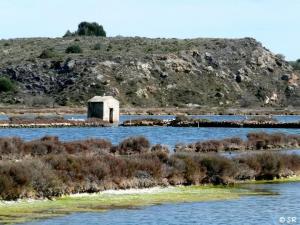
47	167
255	141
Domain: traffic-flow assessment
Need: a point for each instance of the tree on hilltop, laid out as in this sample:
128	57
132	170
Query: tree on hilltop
88	29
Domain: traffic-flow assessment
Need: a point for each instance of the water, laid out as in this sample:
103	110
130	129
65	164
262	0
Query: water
163	135
254	210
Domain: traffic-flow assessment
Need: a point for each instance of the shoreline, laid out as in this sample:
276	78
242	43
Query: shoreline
19	211
19	110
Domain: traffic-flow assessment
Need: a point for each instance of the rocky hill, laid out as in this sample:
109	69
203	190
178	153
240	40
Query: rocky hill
146	72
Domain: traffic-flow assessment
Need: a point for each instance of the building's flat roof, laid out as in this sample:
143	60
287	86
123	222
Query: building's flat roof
102	99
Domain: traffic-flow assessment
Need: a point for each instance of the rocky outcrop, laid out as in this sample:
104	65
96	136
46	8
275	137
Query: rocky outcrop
151	72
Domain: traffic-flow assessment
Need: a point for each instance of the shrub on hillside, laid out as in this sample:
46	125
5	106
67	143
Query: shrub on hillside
48	53
97	46
68	34
6	85
73	49
296	64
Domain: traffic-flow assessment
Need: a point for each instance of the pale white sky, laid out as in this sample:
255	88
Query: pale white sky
272	22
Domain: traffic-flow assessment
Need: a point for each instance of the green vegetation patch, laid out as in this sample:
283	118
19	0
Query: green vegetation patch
22	211
48	53
6	85
74	49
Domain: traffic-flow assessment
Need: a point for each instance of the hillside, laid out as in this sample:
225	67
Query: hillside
144	72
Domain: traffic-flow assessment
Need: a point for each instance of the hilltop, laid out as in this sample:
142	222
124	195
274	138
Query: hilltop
144	72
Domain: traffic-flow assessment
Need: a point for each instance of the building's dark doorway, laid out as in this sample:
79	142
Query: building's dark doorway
111	115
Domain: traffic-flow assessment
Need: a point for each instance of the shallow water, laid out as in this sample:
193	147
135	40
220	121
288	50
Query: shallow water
164	135
253	210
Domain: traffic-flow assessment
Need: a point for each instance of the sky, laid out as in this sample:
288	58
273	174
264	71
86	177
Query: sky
272	22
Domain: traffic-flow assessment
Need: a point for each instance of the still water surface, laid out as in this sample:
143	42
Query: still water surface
163	135
254	210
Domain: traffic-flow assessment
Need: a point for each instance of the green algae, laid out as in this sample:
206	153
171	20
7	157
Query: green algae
22	211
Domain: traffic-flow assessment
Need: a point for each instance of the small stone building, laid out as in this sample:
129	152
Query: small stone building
105	108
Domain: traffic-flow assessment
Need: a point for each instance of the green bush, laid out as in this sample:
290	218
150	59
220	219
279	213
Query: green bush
97	46
48	53
296	64
68	34
74	49
6	85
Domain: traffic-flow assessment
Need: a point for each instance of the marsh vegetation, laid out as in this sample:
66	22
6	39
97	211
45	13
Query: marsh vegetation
48	167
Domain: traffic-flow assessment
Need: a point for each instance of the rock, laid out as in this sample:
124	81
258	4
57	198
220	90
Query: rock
164	75
239	78
195	54
219	95
208	56
241	71
279	62
142	93
170	86
210	68
222	74
115	91
260	61
285	77
70	81
290	90
69	65
192	105
56	65
274	97
270	68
